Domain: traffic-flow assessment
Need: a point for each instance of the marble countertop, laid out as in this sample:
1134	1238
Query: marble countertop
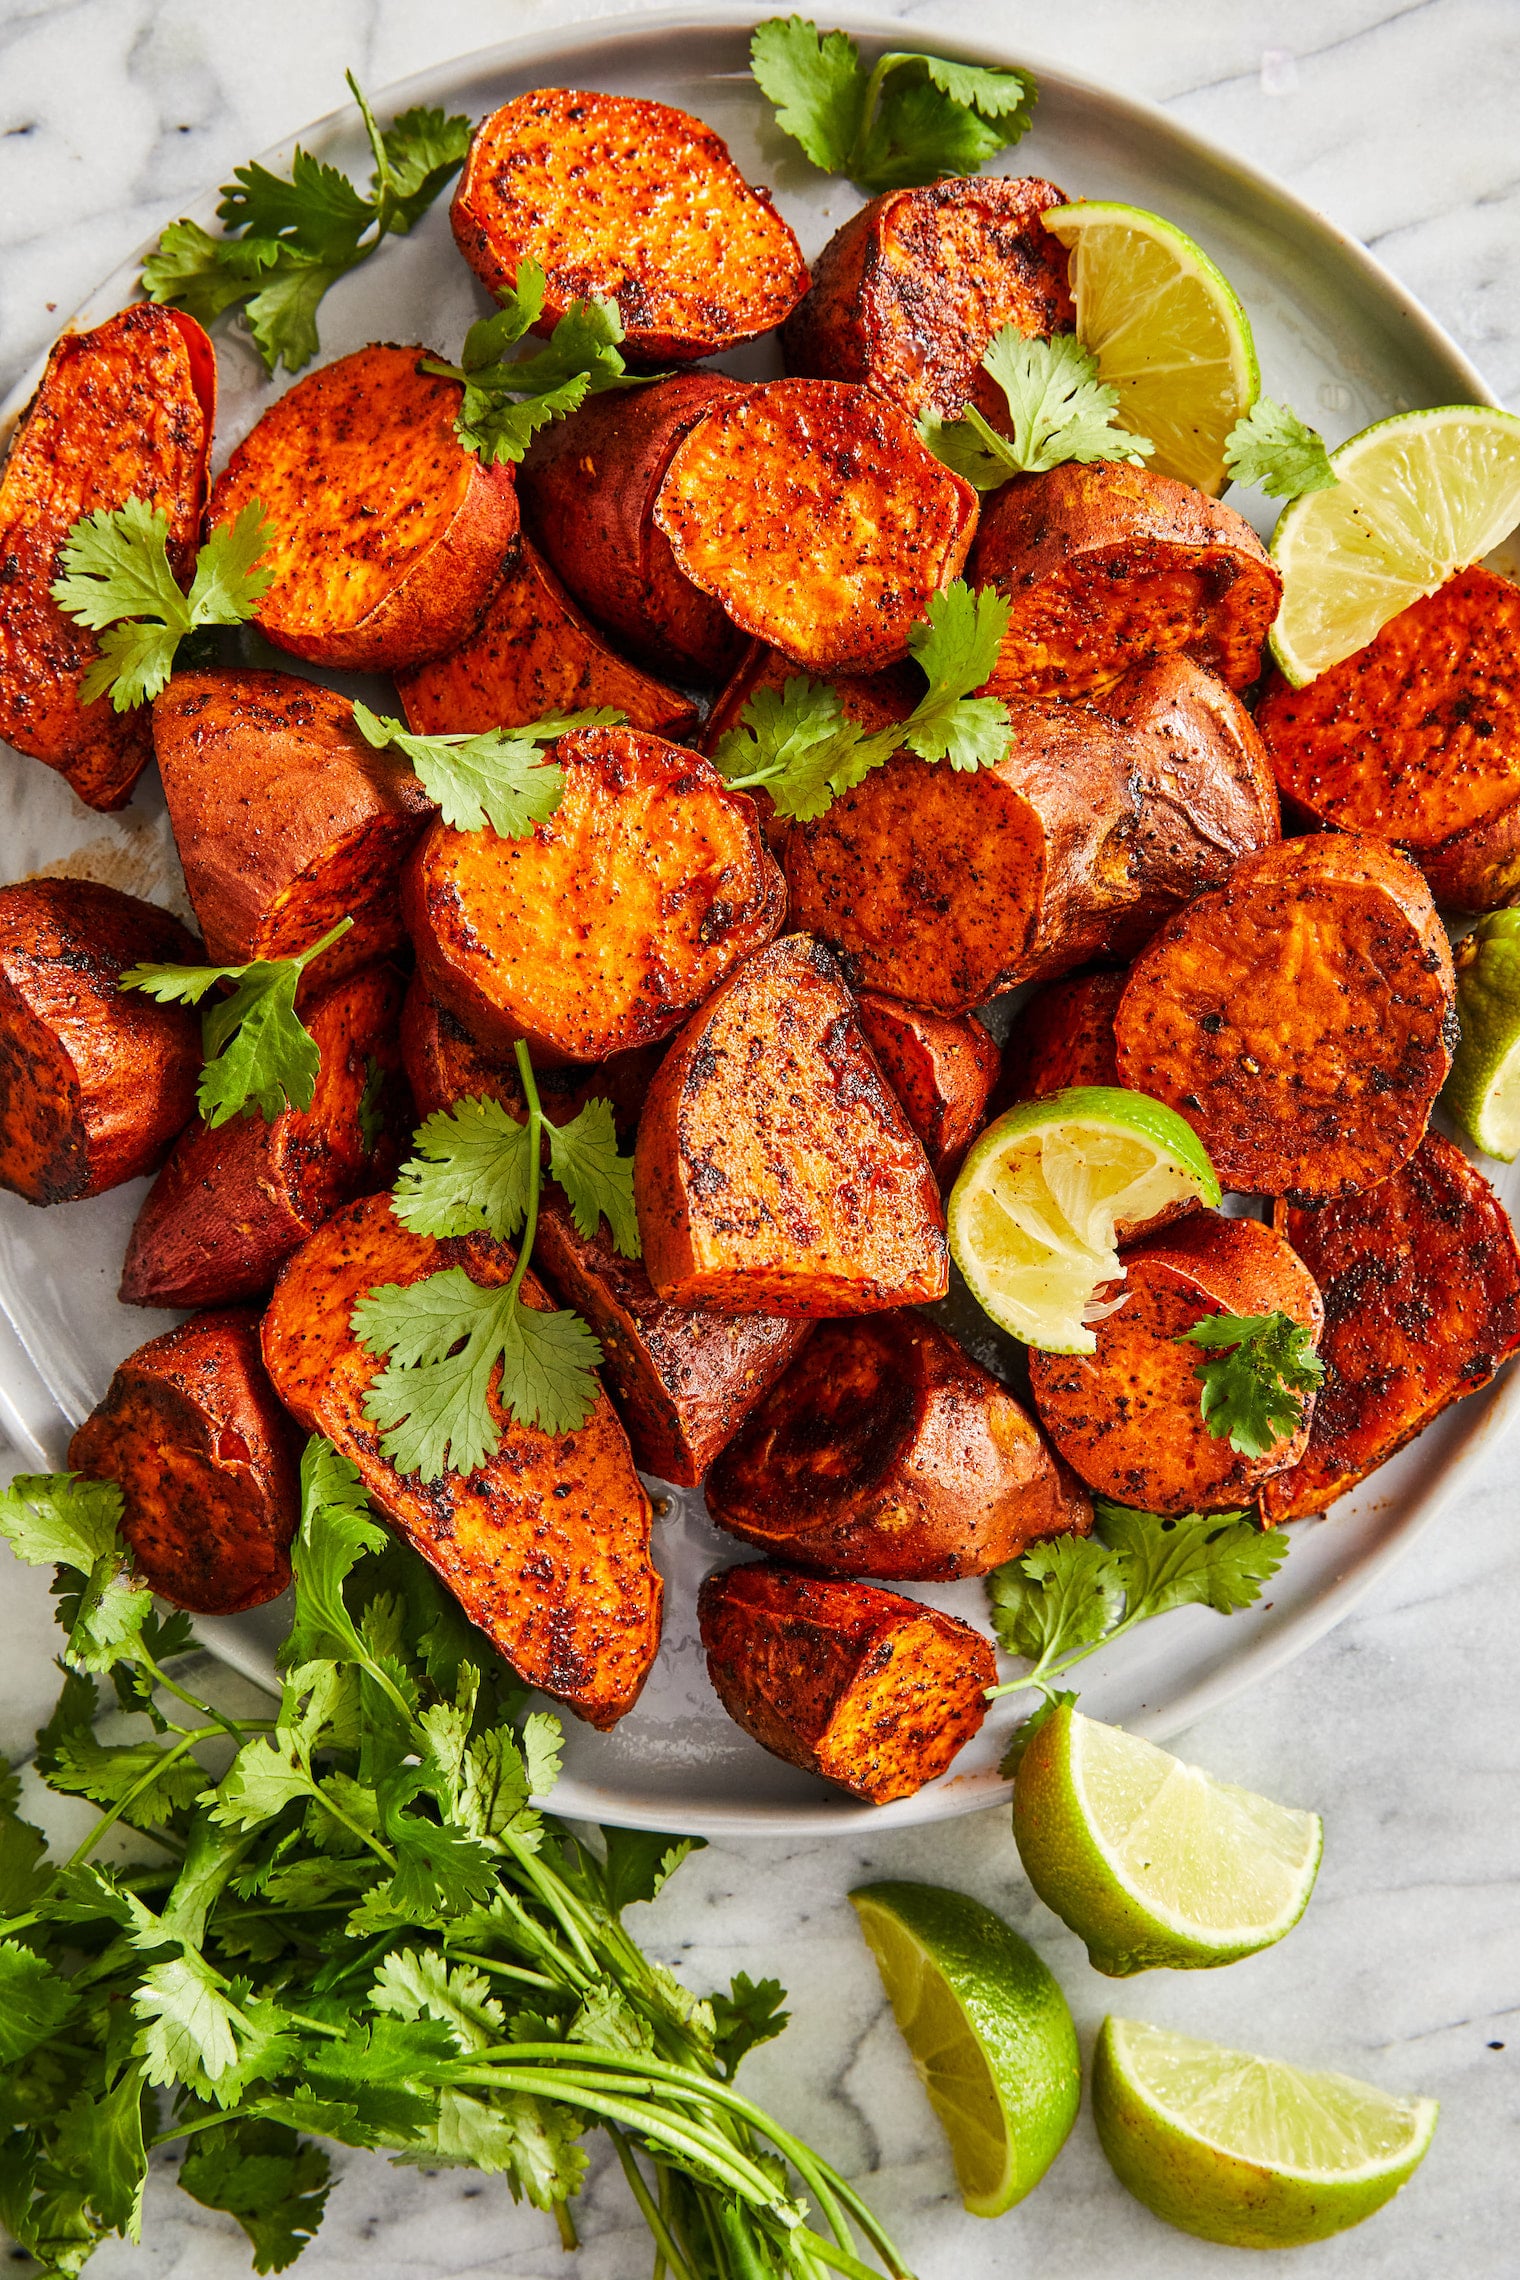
1396	118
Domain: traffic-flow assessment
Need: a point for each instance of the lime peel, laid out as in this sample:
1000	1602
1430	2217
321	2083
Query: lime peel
1482	1093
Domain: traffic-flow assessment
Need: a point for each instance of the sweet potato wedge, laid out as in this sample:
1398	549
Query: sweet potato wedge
812	512
633	202
546	1545
1127	1418
232	1203
520	938
942	1071
1421	1281
1300	1018
1108	567
123	412
1063	1036
444	1064
869	1690
389	535
95	1081
206	1460
775	1173
886	1451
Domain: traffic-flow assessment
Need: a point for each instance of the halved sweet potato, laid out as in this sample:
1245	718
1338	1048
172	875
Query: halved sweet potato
1063	1036
1301	1018
389	535
123	412
1421	1280
521	937
942	1071
1110	566
886	1451
207	1464
869	1690
444	1064
95	1081
1127	1418
812	512
633	202
545	1545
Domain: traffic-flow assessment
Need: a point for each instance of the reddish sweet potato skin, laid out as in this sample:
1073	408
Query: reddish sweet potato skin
942	1071
207	1463
444	1064
95	1081
1063	1036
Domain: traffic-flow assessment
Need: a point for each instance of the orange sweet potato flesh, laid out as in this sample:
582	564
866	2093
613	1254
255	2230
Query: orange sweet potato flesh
125	411
95	1081
444	1064
886	1451
775	1172
1421	1280
389	534
232	1203
520	937
812	512
869	1690
632	202
206	1461
1300	1018
1127	1418
546	1545
1063	1036
942	1071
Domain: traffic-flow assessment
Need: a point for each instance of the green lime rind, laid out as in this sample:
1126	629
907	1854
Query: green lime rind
1098	1105
1482	1093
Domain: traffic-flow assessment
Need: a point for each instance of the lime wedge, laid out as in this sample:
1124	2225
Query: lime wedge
1483	1091
1168	331
988	2030
1245	2150
1149	1861
1047	1192
1416	498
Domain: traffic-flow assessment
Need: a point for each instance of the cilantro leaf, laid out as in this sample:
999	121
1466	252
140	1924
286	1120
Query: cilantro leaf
418	153
919	134
816	83
584	1158
1059	407
500	778
639	1861
1255	1378
149	1783
34	2001
749	2014
63	1519
1274	449
796	744
422	1985
957	645
337	1529
273	2182
1220	1560
582	357
117	580
471	1173
1063	1594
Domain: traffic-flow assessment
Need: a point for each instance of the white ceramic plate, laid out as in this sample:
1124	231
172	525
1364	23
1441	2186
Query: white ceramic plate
1338	338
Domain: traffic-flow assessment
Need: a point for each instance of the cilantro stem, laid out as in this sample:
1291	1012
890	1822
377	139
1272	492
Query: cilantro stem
535	1170
504	1970
667	2253
883	64
564	2225
161	1678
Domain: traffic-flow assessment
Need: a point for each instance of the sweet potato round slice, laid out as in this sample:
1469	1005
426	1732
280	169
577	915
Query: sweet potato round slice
942	1071
1301	1018
206	1461
444	1064
1127	1417
95	1081
123	412
1063	1036
521	938
886	1451
869	1690
632	202
812	512
389	535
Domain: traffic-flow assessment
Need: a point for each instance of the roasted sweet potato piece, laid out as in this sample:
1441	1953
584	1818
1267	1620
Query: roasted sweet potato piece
1301	1018
1110	566
812	512
869	1690
233	1202
520	937
389	535
95	1081
887	1451
633	202
1063	1036
545	1545
1421	1281
206	1461
123	412
1127	1417
942	1071
775	1172
444	1064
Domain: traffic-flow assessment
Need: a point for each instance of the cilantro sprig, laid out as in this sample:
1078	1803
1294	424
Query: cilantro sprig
1059	407
1274	449
1256	1372
499	777
117	579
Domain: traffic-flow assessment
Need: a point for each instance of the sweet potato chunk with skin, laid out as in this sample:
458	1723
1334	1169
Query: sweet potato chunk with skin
1301	1018
389	535
869	1690
1110	566
775	1172
546	1545
812	512
887	1451
942	1071
206	1461
1063	1036
1421	1281
1127	1417
444	1064
95	1081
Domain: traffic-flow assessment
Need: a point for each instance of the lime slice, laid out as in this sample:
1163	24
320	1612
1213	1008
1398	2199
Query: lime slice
1483	1091
1416	499
1245	2150
988	2030
1168	331
1048	1190
1149	1861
